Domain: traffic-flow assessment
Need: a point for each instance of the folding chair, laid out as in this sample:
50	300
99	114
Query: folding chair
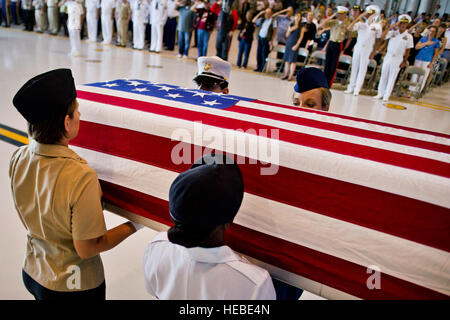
316	59
269	60
439	75
344	68
405	80
302	57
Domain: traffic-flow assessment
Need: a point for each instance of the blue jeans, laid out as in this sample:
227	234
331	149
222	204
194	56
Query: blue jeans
222	43
262	53
203	38
244	49
184	42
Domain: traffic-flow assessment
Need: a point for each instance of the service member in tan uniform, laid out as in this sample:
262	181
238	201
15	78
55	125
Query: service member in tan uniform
123	15
338	33
58	196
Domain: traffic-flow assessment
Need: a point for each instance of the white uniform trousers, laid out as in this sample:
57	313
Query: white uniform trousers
360	61
415	77
138	35
92	25
157	37
75	43
53	19
389	72
107	25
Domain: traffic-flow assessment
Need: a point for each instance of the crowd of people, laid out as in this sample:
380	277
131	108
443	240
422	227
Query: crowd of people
363	33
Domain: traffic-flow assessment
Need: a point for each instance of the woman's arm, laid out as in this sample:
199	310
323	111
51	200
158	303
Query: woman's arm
89	248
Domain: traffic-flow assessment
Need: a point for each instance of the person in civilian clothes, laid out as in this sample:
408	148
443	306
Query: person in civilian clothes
6	12
92	13
27	7
40	15
428	52
170	28
227	19
58	196
140	10
265	37
294	35
338	33
53	16
203	202
400	42
185	26
107	16
368	32
158	17
123	15
63	16
246	31
75	13
204	20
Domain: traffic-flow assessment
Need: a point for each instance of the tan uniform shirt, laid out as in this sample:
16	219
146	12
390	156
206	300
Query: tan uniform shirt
338	31
58	197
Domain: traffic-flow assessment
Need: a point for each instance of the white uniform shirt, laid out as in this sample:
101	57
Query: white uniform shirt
447	35
367	34
171	9
107	7
399	43
74	12
174	272
158	11
92	5
140	11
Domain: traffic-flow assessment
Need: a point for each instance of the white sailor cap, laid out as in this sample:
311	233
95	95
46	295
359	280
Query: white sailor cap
373	9
213	67
341	9
404	18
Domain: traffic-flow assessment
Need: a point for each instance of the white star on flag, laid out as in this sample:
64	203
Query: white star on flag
165	88
174	95
134	83
201	94
140	89
211	103
109	85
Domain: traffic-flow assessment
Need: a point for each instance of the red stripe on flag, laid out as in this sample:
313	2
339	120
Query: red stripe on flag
331	145
386	212
342	129
341	116
329	270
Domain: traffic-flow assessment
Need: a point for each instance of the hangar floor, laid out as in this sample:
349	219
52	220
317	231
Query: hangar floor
23	55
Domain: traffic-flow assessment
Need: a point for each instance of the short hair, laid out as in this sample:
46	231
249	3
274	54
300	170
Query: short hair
326	96
52	129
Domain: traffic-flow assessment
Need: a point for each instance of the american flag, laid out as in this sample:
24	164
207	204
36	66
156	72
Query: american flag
350	197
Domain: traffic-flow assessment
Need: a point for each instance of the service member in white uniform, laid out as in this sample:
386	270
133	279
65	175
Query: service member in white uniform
40	15
139	16
74	11
92	13
400	42
107	15
190	260
158	17
368	32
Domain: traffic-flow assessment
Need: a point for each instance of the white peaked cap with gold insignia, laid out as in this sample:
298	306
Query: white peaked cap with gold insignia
214	67
404	18
341	9
373	9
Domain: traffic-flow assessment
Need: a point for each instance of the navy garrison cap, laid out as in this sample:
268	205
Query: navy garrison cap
45	95
207	195
310	78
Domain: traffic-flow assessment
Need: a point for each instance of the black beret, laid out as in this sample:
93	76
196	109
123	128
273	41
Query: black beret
310	78
46	94
207	195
